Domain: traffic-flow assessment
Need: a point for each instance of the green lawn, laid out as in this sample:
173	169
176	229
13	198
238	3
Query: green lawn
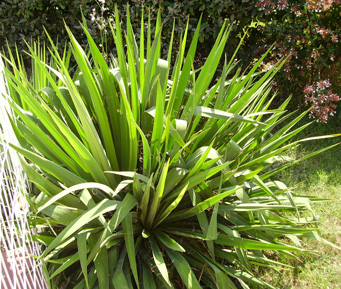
321	176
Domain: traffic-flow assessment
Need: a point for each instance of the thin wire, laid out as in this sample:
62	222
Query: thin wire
17	269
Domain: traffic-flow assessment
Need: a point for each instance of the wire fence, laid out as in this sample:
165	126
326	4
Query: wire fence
18	269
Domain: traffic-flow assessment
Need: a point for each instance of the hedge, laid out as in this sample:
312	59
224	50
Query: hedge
24	19
297	27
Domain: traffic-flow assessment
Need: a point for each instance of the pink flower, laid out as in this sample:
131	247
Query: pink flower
320	99
282	4
323	101
309	89
321	84
336	97
335	38
327	83
315	54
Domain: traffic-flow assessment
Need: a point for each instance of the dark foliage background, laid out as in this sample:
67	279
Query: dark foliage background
25	19
306	30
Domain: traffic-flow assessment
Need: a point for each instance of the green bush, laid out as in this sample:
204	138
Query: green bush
306	31
147	177
21	19
24	20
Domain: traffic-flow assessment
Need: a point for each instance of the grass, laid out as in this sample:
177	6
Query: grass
319	176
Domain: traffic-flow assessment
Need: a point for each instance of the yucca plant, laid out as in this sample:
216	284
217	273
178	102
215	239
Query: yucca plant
150	177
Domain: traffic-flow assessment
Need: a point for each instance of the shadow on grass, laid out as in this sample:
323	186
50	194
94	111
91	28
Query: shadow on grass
326	163
320	176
